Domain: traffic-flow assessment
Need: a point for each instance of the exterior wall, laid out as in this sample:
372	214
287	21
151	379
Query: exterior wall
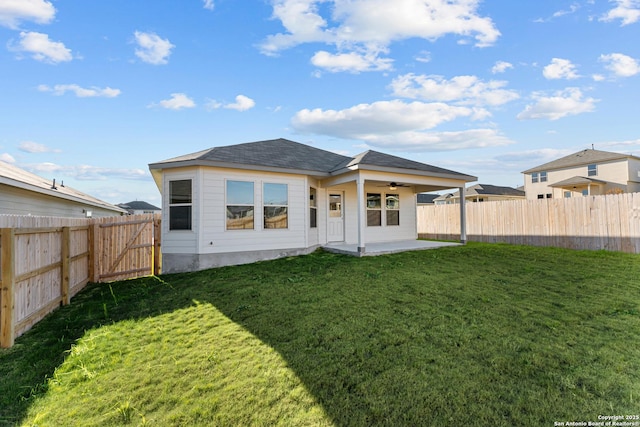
618	174
17	201
181	241
405	231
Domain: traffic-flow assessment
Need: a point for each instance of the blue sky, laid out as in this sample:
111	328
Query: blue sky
91	92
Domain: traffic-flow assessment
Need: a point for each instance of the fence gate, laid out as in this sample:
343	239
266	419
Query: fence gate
124	248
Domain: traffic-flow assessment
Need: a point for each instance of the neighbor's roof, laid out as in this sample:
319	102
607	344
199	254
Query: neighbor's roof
578	180
139	205
494	190
426	198
584	157
285	155
15	177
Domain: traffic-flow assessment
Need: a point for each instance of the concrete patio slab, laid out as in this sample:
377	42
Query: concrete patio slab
373	249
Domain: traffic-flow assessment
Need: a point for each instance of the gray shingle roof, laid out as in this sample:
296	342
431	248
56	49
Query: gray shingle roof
16	177
139	205
577	180
584	157
496	190
290	155
425	198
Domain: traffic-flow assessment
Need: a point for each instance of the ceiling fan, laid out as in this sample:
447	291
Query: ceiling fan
393	185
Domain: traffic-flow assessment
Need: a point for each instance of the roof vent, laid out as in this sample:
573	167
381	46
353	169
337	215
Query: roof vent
53	186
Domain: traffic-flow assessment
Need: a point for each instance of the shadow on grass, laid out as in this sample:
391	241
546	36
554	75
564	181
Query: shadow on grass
402	339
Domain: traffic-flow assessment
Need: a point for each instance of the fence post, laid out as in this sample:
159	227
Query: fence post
7	324
64	282
94	269
157	233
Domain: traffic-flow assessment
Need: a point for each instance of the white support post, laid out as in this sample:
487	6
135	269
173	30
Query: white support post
463	216
361	214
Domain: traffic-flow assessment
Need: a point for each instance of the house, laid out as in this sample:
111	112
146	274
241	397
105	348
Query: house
24	193
587	172
268	199
482	193
139	207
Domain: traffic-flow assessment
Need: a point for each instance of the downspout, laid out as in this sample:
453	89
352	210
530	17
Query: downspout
463	216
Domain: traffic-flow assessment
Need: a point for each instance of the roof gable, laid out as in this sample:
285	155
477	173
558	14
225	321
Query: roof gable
584	157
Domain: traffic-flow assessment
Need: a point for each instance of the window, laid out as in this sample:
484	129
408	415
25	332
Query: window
374	209
393	209
585	192
240	205
534	177
543	177
549	195
567	194
180	203
275	204
313	208
592	170
540	196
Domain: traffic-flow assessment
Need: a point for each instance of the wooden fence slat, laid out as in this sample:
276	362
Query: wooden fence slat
7	323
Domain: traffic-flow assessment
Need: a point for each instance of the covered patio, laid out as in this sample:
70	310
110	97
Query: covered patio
382	248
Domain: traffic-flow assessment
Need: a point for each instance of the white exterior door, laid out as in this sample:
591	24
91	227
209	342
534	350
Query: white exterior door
335	218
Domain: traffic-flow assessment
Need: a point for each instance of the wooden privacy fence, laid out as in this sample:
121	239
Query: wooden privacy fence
610	222
44	262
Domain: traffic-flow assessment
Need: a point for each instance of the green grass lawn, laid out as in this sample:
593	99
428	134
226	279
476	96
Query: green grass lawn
475	335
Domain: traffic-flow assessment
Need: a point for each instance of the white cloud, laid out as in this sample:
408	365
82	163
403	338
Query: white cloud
383	118
81	92
560	69
34	147
461	89
243	103
568	102
501	67
152	49
6	157
208	4
620	65
372	25
627	11
12	12
178	101
352	62
88	172
413	141
42	49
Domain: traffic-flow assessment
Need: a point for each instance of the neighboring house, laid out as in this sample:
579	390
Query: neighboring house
485	193
426	199
443	199
587	172
268	199
24	193
139	207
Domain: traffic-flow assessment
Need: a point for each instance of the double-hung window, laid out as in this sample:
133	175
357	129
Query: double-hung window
535	177
592	170
543	177
374	209
276	205
392	211
313	208
180	204
240	205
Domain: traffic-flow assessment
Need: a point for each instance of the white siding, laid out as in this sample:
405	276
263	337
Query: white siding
215	238
16	201
181	241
